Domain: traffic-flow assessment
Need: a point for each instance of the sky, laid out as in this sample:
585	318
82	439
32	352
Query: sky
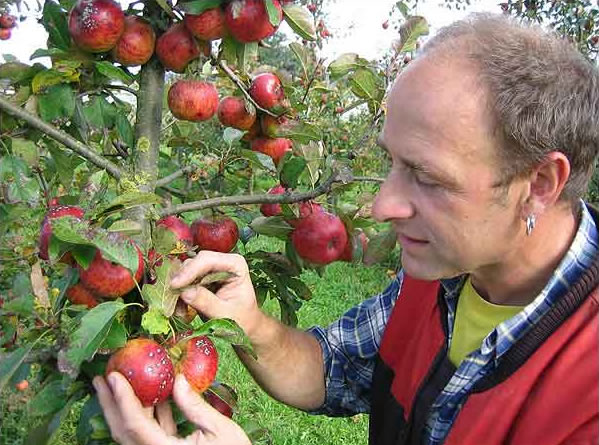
356	26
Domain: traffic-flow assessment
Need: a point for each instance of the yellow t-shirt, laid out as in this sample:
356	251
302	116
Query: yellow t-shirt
475	319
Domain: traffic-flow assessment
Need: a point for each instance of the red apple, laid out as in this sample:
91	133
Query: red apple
136	45
253	132
22	385
178	227
177	47
79	294
193	100
273	209
147	367
96	25
319	238
236	112
197	359
5	33
305	209
273	147
266	89
348	252
312	7
7	21
220	235
386	24
46	231
247	20
209	25
110	280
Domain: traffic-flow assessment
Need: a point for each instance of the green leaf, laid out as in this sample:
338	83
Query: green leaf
410	31
51	398
50	77
300	20
313	153
57	102
229	47
380	247
54	20
116	338
366	84
94	328
271	226
198	6
91	408
26	150
154	322
228	330
258	159
301	53
166	7
126	226
21	306
15	71
65	163
47	431
10	363
246	52
124	129
164	240
231	135
344	64
292	169
273	13
300	131
160	295
126	201
113	72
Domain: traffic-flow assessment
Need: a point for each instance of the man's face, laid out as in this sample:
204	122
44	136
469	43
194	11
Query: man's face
441	194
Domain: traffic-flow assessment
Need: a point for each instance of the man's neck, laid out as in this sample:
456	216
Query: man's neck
522	276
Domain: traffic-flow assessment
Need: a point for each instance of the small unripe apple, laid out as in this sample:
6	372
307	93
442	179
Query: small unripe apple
46	230
273	147
385	24
266	89
220	234
79	294
273	209
177	47
22	385
5	33
236	112
193	100
110	280
136	45
147	367
96	25
312	7
247	20
348	253
209	25
319	238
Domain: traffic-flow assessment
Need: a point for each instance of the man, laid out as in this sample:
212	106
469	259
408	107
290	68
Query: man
489	334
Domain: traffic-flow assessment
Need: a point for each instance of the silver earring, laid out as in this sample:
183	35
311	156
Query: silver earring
531	220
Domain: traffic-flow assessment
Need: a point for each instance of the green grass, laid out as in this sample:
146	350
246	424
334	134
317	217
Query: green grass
342	286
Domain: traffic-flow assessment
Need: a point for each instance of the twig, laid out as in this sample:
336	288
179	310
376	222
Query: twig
62	137
223	66
286	198
320	61
121	87
170	178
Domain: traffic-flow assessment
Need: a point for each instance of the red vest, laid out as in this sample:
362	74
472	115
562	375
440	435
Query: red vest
544	392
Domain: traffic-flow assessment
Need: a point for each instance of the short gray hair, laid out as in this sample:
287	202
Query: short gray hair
543	94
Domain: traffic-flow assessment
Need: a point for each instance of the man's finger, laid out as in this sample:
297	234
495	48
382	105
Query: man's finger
106	399
164	414
138	422
202	300
195	408
206	262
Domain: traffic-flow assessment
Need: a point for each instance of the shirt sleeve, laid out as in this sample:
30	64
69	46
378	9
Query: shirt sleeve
349	348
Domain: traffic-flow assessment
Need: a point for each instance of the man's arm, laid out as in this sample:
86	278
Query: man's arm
289	365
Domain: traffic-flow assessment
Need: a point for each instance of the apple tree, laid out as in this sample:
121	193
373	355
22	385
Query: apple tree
157	132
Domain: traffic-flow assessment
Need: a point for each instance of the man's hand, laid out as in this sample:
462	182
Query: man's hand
132	424
235	299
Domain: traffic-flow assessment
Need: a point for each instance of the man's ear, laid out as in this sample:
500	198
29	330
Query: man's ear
547	180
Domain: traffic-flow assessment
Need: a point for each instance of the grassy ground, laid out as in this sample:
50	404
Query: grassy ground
342	286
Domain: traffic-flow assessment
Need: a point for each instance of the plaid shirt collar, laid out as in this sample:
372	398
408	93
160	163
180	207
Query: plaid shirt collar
579	257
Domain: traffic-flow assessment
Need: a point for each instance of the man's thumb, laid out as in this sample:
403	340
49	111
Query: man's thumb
201	299
194	407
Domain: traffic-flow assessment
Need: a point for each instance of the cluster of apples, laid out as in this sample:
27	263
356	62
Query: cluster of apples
104	280
318	236
100	25
196	100
7	23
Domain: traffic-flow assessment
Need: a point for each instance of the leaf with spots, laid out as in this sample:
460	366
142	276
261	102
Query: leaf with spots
159	295
225	329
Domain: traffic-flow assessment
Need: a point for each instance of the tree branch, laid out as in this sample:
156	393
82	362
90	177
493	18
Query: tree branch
62	137
285	198
122	88
170	178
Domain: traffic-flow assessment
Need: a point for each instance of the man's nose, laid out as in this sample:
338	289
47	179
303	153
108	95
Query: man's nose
391	202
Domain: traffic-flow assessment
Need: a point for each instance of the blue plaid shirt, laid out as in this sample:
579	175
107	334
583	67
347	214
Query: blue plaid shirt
350	345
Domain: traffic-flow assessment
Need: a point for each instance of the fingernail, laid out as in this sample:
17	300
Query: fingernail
187	297
112	381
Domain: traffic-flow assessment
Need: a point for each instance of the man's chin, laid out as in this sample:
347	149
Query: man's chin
423	270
